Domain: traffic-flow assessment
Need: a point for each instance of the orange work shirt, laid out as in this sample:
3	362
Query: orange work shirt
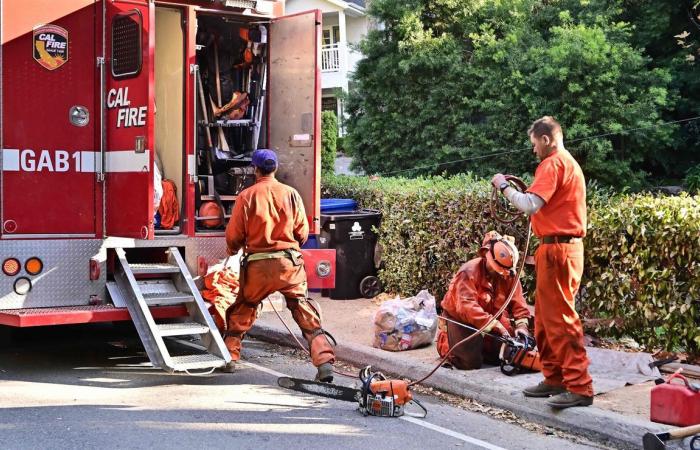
559	182
268	216
473	299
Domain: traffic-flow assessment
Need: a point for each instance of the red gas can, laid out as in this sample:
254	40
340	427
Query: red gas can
675	404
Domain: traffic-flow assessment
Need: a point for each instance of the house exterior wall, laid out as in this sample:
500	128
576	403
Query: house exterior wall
295	6
356	29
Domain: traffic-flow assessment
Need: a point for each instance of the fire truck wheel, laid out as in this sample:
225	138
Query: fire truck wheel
370	287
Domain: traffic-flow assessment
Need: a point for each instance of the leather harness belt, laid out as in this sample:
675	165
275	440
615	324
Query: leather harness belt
561	239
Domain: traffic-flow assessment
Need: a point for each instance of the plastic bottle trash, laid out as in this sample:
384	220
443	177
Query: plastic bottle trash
404	324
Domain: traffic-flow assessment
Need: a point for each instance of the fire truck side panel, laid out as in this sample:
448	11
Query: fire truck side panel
130	122
65	278
49	162
295	96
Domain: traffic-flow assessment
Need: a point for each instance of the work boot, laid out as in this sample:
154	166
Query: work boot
325	373
569	399
230	367
543	390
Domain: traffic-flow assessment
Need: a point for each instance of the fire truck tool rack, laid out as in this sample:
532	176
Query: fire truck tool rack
231	61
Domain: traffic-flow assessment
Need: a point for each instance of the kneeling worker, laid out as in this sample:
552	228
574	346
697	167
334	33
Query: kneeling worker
476	293
269	223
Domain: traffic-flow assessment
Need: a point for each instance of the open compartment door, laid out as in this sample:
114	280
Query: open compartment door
295	105
130	109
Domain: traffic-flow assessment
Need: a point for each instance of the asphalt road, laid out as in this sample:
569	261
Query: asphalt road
89	387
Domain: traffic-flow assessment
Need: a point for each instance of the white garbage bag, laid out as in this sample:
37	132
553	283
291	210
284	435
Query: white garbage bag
157	188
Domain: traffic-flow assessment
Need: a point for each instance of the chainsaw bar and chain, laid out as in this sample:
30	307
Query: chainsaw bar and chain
321	389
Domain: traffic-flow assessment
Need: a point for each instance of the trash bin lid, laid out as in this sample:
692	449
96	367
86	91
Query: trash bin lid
358	214
337	204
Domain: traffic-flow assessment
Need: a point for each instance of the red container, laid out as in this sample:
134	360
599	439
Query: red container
675	404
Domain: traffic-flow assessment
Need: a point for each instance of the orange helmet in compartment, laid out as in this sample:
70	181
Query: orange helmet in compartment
211	210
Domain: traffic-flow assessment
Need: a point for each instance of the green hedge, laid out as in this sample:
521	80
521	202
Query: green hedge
642	252
329	139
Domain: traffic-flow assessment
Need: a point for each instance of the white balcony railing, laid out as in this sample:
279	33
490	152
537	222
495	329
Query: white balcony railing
330	58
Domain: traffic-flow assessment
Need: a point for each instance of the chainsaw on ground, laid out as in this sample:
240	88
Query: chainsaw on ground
378	395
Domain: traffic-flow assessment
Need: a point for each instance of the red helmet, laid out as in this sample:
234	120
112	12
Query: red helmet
500	253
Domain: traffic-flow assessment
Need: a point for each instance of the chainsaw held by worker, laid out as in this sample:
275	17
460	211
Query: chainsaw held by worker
378	395
518	354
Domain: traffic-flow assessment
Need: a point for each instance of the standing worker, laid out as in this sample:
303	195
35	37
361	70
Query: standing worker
556	202
476	292
269	223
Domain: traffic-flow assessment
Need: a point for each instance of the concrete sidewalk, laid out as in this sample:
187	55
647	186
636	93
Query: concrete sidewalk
619	417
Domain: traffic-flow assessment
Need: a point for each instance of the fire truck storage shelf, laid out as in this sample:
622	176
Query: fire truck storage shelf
232	61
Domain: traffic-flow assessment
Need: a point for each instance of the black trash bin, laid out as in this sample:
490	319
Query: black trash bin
354	240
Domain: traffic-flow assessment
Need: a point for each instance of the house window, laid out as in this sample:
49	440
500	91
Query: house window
329	104
331	36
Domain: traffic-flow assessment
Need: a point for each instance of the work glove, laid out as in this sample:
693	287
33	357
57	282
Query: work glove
500	329
522	330
498	179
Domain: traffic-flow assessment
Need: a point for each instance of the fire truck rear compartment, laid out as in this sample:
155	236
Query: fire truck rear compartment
231	113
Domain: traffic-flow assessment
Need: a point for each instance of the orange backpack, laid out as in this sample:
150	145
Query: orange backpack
169	208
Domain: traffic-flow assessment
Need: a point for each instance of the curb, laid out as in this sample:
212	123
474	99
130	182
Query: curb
604	426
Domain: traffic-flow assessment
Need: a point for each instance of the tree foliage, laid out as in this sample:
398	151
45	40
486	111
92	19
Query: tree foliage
451	85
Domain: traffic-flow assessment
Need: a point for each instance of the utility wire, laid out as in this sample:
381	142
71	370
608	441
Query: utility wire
501	152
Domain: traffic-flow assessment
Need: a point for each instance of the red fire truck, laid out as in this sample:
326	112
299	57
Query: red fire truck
101	99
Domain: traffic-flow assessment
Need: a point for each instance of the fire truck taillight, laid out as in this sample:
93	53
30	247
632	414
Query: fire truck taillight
33	266
11	267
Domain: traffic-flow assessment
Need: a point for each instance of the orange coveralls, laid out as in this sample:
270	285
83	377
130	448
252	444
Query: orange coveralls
269	217
559	182
473	300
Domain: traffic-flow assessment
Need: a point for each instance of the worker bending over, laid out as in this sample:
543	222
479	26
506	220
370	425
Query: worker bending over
269	223
556	202
476	293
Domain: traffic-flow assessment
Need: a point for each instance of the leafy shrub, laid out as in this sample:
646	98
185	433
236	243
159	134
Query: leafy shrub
692	179
341	144
329	137
642	261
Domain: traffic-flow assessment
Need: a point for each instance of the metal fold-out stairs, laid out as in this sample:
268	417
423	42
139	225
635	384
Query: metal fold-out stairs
144	285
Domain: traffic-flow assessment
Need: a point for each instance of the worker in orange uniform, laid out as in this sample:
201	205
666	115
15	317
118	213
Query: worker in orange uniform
556	203
477	291
269	223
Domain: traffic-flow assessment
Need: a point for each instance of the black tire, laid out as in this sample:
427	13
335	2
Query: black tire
370	287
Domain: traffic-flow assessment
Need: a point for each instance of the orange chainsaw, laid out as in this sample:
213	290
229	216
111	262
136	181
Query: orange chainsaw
378	395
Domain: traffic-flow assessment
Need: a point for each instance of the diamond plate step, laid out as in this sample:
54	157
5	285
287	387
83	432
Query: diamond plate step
167	298
182	329
155	268
189	362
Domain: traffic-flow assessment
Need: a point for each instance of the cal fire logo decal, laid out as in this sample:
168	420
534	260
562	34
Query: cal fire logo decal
50	46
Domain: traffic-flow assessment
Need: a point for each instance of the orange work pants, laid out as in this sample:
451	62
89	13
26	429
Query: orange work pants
558	329
469	355
258	280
